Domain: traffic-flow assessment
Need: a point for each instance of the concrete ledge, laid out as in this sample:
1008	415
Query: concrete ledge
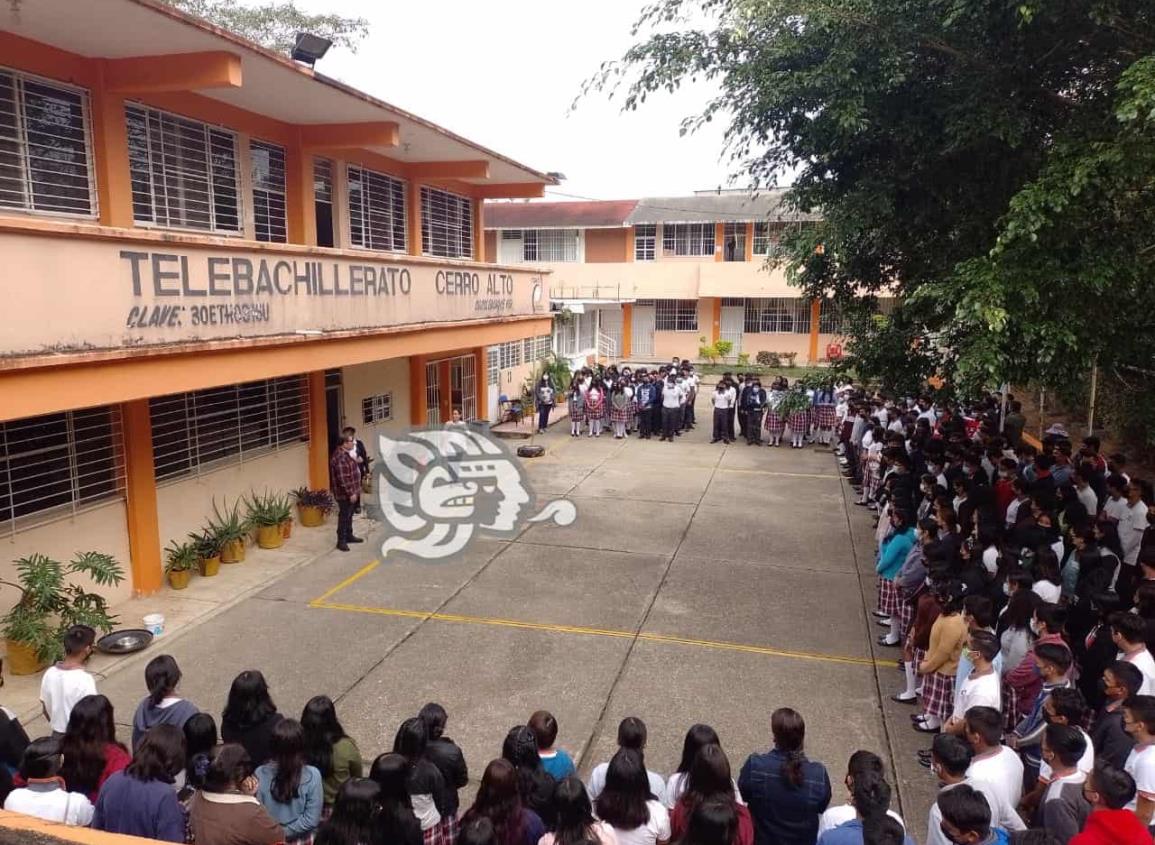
16	829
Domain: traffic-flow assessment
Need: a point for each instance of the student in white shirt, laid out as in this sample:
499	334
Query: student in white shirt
45	795
1139	721
627	806
672	399
67	682
982	686
993	762
723	401
860	762
1064	809
1129	633
631	734
950	759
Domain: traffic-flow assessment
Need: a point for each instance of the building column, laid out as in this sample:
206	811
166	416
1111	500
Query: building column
418	412
716	320
110	156
318	431
140	493
300	197
413	217
749	241
481	382
815	314
479	231
627	330
719	241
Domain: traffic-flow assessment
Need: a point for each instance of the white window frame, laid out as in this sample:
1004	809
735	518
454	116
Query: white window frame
20	141
777	315
646	242
377	408
451	236
677	315
398	195
689	239
156	200
267	192
561	246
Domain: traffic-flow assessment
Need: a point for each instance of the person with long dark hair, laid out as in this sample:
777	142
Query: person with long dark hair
200	738
445	755
355	815
91	753
328	748
626	803
713	822
162	706
632	733
424	782
396	823
785	791
534	784
478	831
697	737
45	794
141	800
226	811
249	715
710	780
287	786
575	818
499	801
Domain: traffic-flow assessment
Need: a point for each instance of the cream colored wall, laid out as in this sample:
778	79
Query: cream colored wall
675	279
187	504
102	529
369	380
511	379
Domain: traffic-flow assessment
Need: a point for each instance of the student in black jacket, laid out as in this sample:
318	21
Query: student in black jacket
445	755
1121	680
754	404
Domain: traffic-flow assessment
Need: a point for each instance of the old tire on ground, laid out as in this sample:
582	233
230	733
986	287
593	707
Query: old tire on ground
530	451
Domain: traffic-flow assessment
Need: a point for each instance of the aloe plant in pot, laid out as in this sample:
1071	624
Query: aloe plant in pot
208	546
49	605
313	505
231	529
265	512
179	560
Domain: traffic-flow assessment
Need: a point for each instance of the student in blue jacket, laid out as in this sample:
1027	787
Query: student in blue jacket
891	555
141	800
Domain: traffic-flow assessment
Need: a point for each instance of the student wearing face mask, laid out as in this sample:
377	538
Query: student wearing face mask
966	818
1109	790
755	406
1052	662
950	759
1120	681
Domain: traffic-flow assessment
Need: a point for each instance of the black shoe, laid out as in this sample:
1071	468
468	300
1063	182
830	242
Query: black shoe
882	642
341	547
898	698
355	540
715	440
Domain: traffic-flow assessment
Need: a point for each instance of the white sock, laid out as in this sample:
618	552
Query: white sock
932	721
908	668
895	625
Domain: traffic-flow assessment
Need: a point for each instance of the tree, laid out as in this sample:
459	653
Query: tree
275	24
989	162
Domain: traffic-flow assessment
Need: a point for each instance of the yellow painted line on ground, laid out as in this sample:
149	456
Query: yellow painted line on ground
772	472
360	573
594	632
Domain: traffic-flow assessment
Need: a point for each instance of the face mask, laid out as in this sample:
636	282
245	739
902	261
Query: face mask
1006	589
1036	628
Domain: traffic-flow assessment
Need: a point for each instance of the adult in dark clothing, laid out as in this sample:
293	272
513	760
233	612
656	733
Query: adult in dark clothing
743	391
250	715
1099	651
13	741
534	784
445	755
346	478
1112	743
1014	423
141	801
755	405
786	792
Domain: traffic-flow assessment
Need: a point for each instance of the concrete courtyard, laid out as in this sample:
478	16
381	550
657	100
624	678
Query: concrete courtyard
699	583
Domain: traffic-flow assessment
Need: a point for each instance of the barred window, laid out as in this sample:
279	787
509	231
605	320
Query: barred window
183	172
586	331
550	244
492	370
544	346
510	354
268	173
446	224
376	210
45	151
194	432
59	464
645	240
829	318
688	238
733	301
762	239
734	241
375	409
779	315
676	315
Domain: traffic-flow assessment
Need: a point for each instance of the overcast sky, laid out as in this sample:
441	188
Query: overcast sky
504	74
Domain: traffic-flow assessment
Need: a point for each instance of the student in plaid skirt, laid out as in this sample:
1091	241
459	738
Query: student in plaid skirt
577	408
891	556
825	415
619	406
595	408
798	422
775	423
948	635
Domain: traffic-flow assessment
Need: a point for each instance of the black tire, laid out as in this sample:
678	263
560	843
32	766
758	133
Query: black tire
530	451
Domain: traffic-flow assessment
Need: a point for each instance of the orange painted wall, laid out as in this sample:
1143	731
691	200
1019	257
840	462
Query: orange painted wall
605	246
491	245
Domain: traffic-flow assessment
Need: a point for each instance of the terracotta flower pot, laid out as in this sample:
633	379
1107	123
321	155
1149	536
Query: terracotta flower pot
210	566
22	659
233	551
178	578
311	516
287	528
270	537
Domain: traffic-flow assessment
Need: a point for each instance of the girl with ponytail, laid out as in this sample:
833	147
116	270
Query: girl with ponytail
162	706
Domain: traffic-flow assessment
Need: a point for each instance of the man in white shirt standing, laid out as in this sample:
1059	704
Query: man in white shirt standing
723	402
1129	633
982	687
1132	525
950	759
1139	721
67	682
993	762
672	399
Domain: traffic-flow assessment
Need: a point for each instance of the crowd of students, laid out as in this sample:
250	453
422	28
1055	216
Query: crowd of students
662	401
1018	583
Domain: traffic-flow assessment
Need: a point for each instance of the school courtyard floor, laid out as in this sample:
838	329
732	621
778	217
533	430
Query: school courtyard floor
699	583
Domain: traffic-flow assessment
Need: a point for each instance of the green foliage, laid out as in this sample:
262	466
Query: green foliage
227	523
206	543
713	351
795	399
767	359
49	604
179	557
275	24
322	499
743	359
266	509
990	165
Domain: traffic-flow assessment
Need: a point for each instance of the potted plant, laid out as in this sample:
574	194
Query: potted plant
231	529
208	548
285	511
265	513
180	558
313	506
49	605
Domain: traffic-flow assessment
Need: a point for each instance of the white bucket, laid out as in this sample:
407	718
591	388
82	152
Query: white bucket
154	623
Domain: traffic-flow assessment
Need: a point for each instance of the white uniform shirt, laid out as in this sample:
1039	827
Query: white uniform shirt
722	400
51	803
656	829
1003	770
60	689
1131	529
671	396
1145	663
1086	762
1141	766
981	691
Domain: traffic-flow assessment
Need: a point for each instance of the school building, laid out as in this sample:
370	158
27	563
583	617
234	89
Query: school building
645	280
213	259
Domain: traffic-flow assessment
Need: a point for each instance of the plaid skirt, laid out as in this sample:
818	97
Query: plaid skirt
938	695
917	656
888	602
799	421
595	410
577	412
825	416
442	833
621	414
774	423
905	611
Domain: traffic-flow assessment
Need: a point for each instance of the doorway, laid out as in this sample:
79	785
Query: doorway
733	323
323	201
